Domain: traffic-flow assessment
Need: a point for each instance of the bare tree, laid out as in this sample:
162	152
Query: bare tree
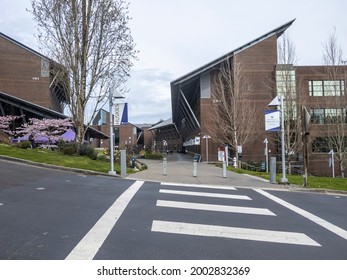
92	40
232	120
335	100
286	86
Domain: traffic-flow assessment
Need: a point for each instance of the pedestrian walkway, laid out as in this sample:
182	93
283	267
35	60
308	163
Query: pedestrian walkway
180	170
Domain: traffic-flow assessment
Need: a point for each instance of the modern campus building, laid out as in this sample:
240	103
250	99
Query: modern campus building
27	86
126	135
195	103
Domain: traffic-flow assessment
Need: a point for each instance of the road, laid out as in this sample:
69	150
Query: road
48	214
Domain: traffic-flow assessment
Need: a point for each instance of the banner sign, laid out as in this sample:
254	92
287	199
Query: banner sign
272	120
121	113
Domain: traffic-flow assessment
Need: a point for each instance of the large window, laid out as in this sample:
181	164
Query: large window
325	144
328	116
326	88
286	87
321	145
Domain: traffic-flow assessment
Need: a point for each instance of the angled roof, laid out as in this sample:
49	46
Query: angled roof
277	31
29	106
183	89
164	123
42	111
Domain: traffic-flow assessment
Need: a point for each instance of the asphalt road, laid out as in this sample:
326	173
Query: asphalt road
48	214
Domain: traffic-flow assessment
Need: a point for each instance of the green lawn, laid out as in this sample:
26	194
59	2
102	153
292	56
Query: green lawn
56	158
313	182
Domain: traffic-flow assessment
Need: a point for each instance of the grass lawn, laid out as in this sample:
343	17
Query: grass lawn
52	157
313	182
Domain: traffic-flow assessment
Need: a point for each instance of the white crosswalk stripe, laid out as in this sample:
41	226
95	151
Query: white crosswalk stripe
233	232
199	186
195	229
206	194
214	207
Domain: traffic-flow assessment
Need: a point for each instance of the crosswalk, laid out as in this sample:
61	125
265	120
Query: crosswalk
221	231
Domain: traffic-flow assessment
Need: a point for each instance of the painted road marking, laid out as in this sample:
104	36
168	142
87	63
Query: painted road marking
327	225
233	232
88	247
213	207
206	194
198	186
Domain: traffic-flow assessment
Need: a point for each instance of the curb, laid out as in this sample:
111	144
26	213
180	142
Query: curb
51	166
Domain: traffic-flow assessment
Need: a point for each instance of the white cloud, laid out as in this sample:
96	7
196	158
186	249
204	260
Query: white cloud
149	98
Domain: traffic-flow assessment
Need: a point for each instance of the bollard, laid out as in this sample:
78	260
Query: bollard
165	166
234	162
273	170
195	168
123	163
224	169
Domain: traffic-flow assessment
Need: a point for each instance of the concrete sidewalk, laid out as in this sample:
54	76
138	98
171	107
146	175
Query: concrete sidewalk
180	170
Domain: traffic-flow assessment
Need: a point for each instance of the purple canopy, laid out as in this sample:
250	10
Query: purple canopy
69	135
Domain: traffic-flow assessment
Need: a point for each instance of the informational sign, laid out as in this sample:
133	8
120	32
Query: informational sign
272	120
221	155
197	140
121	113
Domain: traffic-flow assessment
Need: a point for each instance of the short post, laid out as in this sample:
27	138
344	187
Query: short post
332	163
165	166
195	165
273	170
234	162
224	169
123	163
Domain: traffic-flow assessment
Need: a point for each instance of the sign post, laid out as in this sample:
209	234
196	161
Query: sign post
266	155
272	124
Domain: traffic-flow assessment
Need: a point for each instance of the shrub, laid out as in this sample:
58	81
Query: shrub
23	145
69	150
88	151
153	156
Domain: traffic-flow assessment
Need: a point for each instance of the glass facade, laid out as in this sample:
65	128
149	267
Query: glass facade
326	88
328	116
286	87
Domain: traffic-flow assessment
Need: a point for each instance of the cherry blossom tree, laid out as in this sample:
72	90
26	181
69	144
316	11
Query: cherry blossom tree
7	124
50	129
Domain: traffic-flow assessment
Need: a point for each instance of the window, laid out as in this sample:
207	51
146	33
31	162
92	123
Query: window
317	116
285	83
286	87
320	145
44	68
328	116
326	88
103	116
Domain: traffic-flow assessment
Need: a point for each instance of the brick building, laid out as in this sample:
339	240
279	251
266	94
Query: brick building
29	87
193	102
126	135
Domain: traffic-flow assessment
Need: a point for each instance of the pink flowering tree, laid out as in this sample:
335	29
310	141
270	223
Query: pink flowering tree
52	129
7	124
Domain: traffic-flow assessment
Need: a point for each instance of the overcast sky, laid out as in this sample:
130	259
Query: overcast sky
175	37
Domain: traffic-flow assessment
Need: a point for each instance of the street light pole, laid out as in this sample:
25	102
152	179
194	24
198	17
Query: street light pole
284	180
266	155
110	96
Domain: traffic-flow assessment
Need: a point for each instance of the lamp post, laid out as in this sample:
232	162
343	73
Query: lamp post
276	102
284	180
110	96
